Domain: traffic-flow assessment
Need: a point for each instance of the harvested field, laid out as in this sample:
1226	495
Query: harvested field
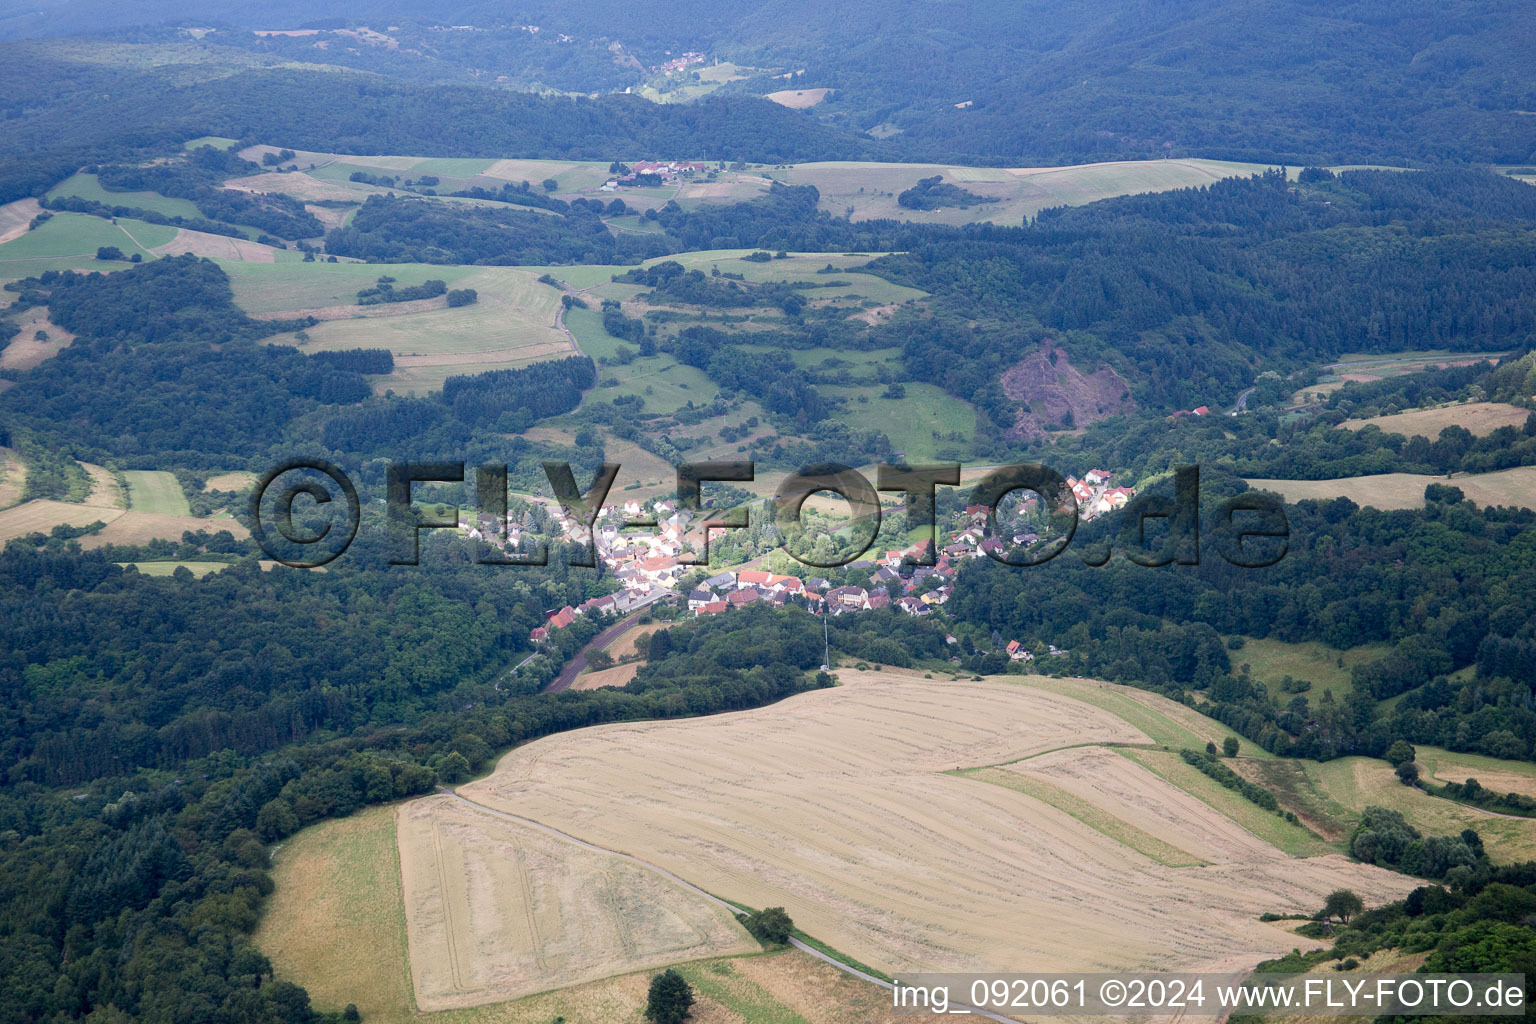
618	675
156	492
1490	772
16	217
222	247
198	569
235	480
1479	417
838	805
336	925
25	350
135	527
496	910
1406	490
305	188
41	516
797	99
105	493
629	645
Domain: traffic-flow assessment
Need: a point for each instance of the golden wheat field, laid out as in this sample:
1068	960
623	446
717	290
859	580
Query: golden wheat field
841	806
496	909
1479	417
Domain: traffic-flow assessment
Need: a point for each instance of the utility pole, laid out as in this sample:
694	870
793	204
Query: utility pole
826	639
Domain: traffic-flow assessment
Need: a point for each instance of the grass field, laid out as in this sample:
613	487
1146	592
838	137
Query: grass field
26	349
1479	417
336	925
13	478
1270	661
797	99
1406	490
596	679
1490	772
511	324
839	805
76	234
87	186
870	189
920	423
16	216
1356	782
1364	367
156	492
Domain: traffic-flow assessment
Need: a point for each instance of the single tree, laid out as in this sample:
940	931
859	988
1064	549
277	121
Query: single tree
670	999
1342	904
1210	747
772	926
1400	751
1230	746
1408	773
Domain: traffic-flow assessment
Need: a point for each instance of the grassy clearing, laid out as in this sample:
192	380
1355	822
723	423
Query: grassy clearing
1089	814
88	186
1480	418
1406	490
26	349
156	492
77	235
216	141
1356	782
1270	661
1293	839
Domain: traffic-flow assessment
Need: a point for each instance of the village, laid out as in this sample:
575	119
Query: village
660	563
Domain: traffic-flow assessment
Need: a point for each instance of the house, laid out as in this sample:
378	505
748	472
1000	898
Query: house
721	581
912	606
753	578
699	598
817	583
713	608
1017	652
737	598
847	599
539	635
879	600
883	575
1097	477
562	618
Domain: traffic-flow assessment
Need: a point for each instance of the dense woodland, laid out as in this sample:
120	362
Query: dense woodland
157	734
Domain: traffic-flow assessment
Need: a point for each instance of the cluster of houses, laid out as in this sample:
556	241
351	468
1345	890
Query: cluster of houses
649	562
668	172
1095	496
677	64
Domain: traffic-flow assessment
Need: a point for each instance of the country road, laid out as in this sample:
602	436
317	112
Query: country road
711	897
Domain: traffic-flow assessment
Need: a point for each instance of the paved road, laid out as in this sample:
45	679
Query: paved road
574	667
690	887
